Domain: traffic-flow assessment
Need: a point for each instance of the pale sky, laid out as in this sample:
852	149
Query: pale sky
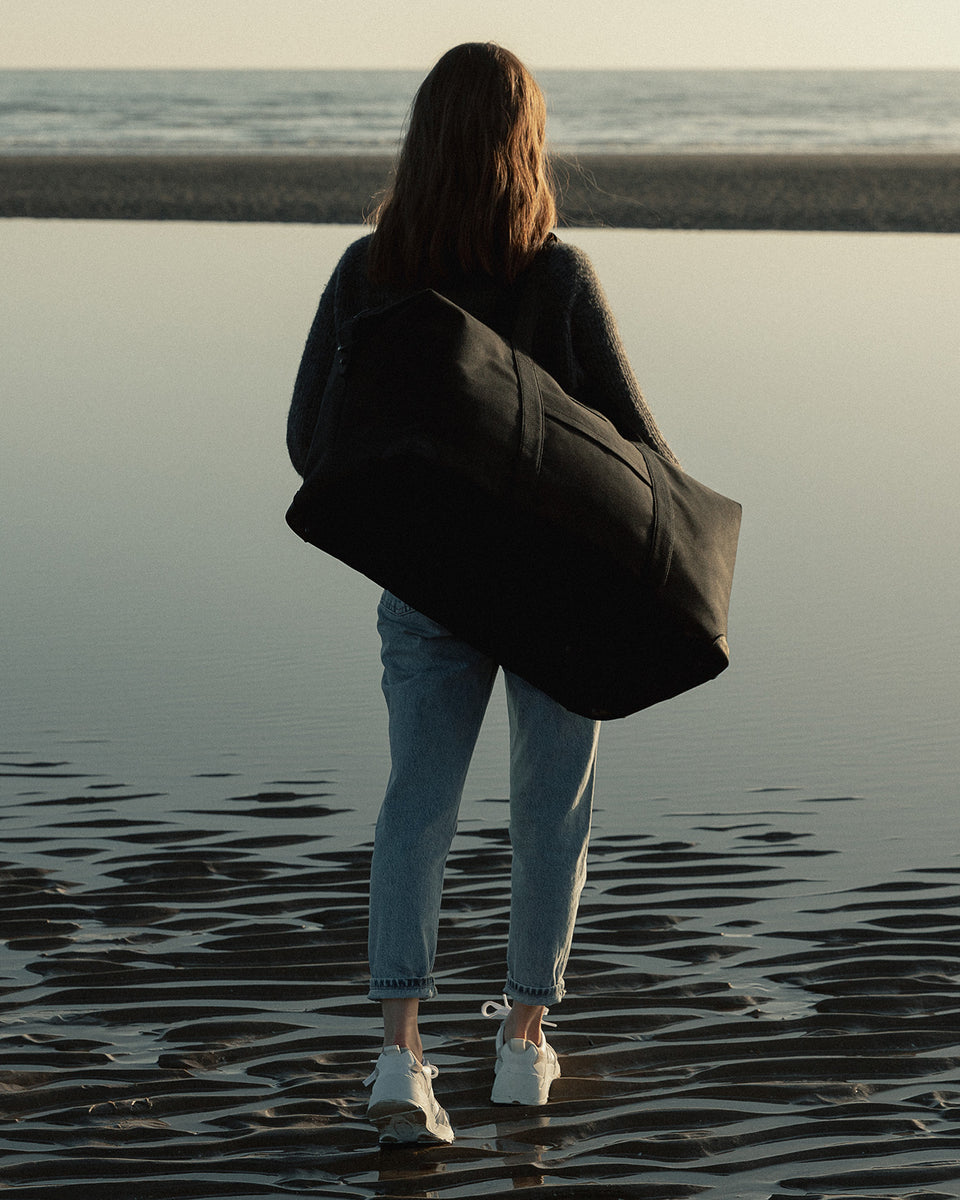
545	33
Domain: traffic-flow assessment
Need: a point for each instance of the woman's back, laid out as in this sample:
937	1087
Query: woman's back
575	337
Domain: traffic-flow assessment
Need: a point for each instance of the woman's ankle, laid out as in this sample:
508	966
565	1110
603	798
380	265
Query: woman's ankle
400	1026
524	1022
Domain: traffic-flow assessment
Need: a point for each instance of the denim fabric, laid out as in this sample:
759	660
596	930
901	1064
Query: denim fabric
437	689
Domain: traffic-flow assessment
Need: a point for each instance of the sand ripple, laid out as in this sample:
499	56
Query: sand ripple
182	1012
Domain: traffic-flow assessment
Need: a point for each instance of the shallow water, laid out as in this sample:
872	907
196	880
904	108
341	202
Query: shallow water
763	991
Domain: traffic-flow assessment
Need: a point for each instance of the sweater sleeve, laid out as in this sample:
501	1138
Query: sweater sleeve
342	298
608	383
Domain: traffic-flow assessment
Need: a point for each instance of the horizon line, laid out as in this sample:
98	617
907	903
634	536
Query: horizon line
427	67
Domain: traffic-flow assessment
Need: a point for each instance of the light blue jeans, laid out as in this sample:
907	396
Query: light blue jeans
437	689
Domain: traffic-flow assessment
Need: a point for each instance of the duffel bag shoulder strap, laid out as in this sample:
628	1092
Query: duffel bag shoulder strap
531	398
528	310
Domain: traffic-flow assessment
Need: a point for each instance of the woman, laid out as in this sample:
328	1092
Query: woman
470	214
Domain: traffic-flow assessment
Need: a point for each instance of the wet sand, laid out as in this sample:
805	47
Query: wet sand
906	193
183	1014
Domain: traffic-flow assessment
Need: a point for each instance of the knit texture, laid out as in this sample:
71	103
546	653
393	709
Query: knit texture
576	338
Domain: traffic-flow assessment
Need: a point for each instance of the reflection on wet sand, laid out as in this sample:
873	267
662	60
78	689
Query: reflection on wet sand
182	1010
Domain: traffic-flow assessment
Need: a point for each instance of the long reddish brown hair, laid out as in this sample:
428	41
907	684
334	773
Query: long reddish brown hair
471	191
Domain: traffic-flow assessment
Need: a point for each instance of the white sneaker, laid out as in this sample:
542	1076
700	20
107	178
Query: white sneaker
402	1104
523	1071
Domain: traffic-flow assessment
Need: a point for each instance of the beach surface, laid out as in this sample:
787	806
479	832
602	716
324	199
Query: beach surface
904	192
184	998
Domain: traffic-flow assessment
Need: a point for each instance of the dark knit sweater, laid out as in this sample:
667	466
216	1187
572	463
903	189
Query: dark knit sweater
575	339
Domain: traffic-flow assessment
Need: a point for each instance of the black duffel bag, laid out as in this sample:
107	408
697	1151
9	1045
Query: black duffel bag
451	469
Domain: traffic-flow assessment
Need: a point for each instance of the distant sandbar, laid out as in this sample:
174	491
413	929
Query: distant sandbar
868	192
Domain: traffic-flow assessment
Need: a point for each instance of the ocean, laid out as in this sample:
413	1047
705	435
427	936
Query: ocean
363	112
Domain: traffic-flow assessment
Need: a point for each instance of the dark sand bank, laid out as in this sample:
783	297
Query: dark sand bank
181	1010
906	193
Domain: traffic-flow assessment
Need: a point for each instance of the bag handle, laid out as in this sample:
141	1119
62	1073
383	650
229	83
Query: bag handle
530	450
662	525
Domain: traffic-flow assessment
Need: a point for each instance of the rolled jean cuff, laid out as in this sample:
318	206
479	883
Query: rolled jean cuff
526	995
402	989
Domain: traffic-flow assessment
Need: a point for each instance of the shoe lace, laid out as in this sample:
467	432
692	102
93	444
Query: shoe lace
492	1008
428	1069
